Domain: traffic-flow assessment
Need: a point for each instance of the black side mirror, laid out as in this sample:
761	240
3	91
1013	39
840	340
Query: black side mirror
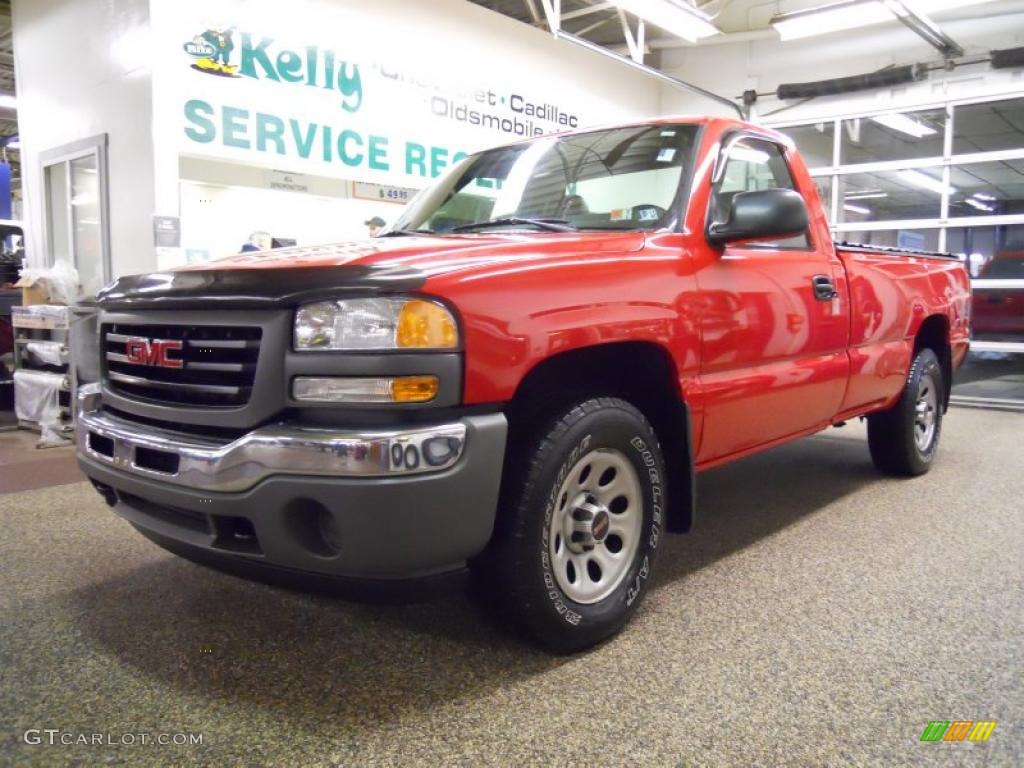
762	214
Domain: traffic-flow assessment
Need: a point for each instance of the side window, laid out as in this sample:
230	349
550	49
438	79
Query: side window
751	165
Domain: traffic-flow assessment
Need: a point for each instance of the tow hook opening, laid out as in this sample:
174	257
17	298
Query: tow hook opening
236	534
109	494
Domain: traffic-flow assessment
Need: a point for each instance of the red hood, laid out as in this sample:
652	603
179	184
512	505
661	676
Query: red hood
434	255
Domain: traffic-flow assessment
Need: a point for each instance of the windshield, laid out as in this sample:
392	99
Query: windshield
619	179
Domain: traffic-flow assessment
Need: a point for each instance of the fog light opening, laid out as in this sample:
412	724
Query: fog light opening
313	527
438	451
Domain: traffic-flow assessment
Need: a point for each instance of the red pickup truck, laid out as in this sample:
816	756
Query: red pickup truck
523	376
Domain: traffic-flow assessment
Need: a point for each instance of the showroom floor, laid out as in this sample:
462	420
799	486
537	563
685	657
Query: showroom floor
820	615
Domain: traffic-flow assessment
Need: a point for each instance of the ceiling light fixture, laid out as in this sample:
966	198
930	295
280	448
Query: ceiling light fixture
924	181
851	14
675	16
857	209
983	196
830	18
980	206
897	121
865	195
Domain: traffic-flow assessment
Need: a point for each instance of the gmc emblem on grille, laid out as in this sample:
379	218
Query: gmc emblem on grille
142	351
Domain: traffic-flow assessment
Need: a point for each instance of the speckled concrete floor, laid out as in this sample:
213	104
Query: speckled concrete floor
821	615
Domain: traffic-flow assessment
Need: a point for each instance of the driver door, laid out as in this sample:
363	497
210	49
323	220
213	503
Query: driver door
774	359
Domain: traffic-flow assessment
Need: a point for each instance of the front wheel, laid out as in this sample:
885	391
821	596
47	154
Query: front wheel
904	439
582	521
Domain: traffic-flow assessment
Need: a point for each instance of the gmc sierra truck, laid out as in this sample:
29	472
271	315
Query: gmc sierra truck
522	377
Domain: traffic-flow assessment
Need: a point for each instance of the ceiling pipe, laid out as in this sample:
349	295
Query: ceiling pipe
657	74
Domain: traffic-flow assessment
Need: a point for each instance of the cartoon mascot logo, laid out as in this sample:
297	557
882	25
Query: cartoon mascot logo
212	52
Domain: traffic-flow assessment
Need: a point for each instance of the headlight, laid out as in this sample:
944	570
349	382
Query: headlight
358	324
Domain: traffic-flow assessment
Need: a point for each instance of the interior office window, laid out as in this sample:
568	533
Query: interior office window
891	195
753	165
991	252
74	178
815	142
987	189
995	258
85	222
988	127
892	136
58	226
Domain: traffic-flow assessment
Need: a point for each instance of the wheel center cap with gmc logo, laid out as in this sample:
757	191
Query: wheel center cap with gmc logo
586	523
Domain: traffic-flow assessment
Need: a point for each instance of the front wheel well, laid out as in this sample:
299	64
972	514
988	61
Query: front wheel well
642	373
934	335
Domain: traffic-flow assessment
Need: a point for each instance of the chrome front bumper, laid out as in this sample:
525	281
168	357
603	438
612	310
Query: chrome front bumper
204	464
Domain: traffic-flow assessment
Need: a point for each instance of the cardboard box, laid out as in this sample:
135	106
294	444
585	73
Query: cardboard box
33	291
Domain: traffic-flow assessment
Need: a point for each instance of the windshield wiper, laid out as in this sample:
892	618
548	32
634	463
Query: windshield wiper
407	232
552	225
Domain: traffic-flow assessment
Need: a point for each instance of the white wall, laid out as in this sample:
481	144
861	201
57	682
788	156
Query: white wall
87	67
218	219
409	55
763	64
83	69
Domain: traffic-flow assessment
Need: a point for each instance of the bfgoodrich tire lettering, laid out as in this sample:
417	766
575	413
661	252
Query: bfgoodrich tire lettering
556	497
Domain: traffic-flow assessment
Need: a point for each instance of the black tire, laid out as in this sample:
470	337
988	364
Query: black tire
893	434
608	429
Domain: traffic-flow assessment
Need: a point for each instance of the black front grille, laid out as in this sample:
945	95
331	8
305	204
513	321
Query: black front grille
217	363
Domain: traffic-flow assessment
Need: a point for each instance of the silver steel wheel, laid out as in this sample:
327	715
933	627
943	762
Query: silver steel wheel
925	413
595	527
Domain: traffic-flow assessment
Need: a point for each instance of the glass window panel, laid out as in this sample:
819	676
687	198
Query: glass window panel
889	195
893	136
987	189
918	239
986	127
991	252
58	236
755	165
85	218
815	142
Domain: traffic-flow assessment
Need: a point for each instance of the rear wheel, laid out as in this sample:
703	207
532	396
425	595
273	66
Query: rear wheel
581	522
904	439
